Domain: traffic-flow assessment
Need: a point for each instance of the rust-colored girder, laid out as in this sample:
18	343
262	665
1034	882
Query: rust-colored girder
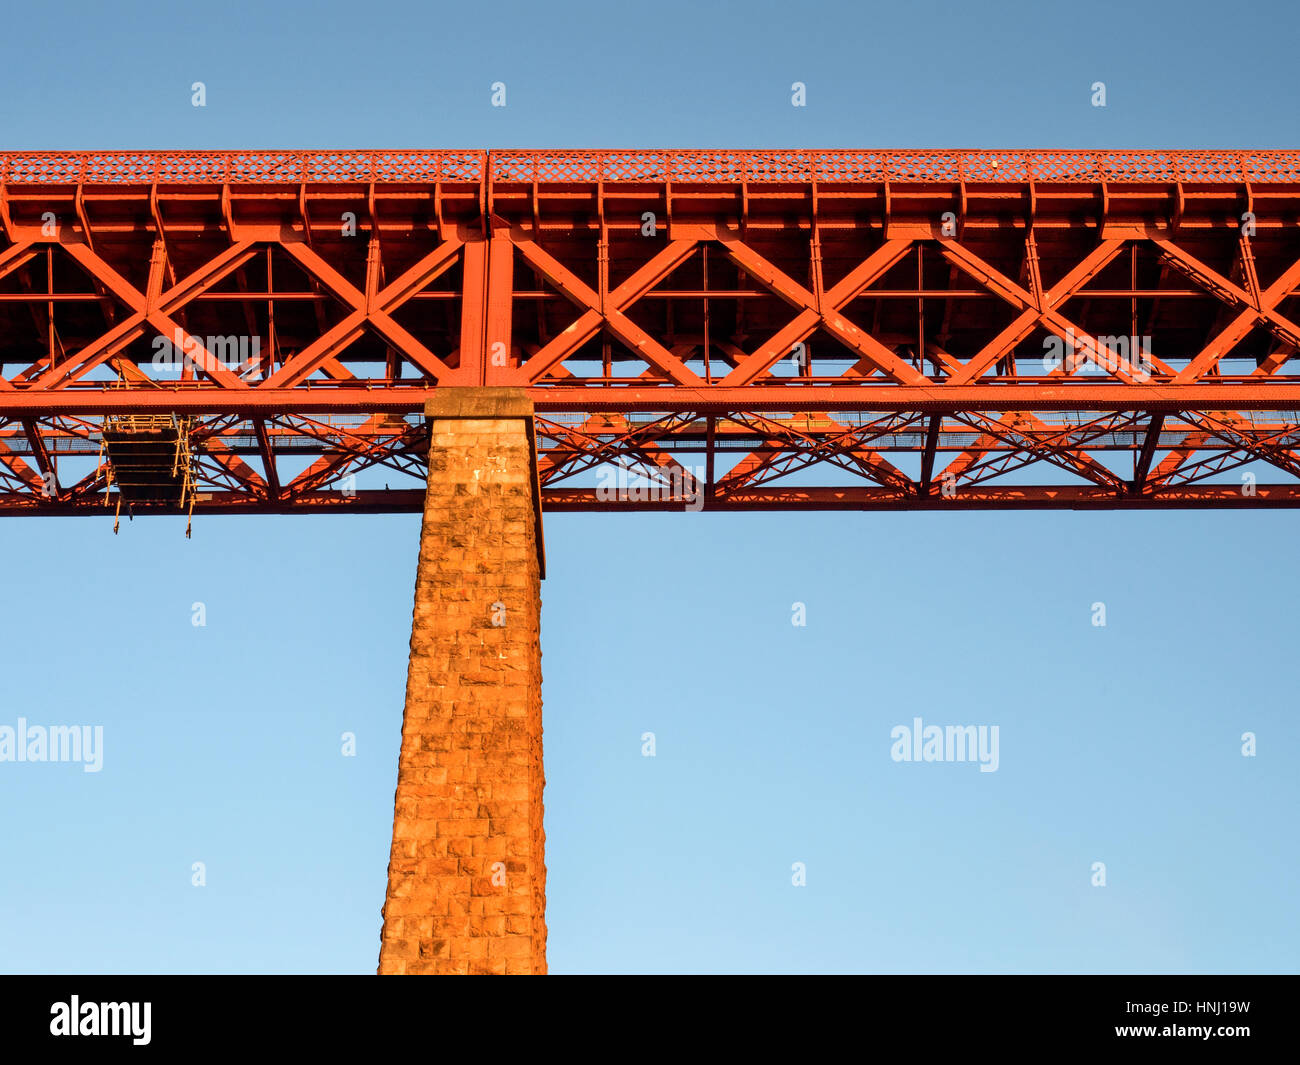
723	329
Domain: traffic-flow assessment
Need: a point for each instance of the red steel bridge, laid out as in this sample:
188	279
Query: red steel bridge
769	329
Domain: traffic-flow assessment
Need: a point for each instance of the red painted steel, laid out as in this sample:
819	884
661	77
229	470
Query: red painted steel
436	165
729	329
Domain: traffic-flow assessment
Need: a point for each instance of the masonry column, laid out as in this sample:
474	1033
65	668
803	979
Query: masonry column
466	876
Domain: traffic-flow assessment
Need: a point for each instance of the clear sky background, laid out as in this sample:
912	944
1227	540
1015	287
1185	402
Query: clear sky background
222	743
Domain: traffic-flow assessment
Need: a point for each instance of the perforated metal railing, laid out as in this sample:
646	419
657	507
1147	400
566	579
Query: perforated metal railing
242	167
677	165
876	166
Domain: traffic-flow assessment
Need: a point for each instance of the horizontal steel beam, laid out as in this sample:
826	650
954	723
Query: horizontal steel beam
880	396
558	500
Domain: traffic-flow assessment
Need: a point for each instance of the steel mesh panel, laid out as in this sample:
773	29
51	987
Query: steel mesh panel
121	167
45	167
849	166
192	167
707	166
635	166
1063	166
405	166
264	166
926	166
1209	166
1139	166
512	166
338	166
1264	167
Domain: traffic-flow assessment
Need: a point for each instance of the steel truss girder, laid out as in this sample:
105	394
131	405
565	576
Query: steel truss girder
647	351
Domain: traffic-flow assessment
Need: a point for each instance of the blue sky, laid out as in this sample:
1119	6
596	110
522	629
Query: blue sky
1119	744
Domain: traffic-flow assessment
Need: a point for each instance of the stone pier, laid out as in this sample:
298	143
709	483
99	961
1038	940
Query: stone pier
467	875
